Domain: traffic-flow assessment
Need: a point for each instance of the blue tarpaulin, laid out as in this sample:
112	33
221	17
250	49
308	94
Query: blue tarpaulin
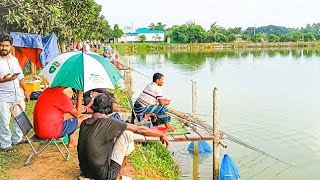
50	49
228	170
34	47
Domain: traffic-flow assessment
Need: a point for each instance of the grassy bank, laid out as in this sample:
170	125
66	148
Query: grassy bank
153	161
156	47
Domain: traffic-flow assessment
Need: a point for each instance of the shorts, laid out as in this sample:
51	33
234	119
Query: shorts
69	126
123	147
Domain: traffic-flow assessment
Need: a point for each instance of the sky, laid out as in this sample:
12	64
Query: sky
227	13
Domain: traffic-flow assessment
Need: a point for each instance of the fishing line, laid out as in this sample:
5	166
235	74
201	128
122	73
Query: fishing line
263	170
280	172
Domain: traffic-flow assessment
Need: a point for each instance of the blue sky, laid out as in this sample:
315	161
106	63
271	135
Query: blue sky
227	13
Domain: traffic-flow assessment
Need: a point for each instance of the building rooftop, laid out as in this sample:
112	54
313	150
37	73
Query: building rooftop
144	31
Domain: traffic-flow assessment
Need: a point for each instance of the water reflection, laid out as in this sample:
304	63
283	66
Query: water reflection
192	61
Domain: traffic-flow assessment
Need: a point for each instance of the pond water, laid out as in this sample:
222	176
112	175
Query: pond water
268	98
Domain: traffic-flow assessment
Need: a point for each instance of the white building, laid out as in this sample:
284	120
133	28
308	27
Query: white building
151	36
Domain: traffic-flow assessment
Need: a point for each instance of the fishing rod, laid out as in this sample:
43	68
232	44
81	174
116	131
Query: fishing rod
133	69
200	124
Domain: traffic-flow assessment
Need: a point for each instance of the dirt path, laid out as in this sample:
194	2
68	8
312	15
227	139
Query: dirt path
48	165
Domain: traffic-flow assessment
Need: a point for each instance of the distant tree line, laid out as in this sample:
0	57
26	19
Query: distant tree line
191	32
81	20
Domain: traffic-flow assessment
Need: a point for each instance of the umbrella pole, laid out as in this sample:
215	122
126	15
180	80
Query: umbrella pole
79	100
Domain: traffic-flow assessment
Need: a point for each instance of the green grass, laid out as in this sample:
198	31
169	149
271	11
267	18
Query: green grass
9	160
121	95
155	159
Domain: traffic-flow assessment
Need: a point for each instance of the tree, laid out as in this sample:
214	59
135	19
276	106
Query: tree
246	37
152	26
142	38
273	38
259	38
117	32
235	30
67	18
309	36
296	36
270	29
160	26
285	38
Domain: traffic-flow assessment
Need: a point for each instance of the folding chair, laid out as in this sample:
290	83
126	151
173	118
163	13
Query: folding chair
26	127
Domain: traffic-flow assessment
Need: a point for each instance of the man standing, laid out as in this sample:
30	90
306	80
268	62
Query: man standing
11	79
151	101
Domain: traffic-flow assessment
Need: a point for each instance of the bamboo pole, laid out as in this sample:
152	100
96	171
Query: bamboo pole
128	79
195	163
194	99
216	158
195	143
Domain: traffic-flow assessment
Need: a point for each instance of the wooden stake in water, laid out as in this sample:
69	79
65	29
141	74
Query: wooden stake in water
194	99
195	143
216	158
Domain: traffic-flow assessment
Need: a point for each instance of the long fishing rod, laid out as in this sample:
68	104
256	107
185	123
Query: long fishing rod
133	70
209	128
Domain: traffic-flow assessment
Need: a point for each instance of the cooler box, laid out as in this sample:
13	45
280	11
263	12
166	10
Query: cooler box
33	86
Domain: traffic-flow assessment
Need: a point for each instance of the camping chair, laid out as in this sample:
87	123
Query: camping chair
26	126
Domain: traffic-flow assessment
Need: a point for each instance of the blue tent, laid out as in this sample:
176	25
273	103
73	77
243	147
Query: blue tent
40	50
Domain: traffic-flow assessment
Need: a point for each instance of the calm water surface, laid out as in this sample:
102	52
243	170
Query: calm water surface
270	99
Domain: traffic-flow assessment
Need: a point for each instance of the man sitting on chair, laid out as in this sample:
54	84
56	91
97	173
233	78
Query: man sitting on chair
55	116
152	102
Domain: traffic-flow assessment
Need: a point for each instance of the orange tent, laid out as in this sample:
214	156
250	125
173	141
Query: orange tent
24	54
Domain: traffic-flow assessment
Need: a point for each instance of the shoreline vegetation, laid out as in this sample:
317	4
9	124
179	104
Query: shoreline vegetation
126	48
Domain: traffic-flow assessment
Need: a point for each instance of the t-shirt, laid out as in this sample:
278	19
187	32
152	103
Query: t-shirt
10	91
95	145
48	115
150	95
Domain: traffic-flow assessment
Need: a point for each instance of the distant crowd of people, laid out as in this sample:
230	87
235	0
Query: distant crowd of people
89	46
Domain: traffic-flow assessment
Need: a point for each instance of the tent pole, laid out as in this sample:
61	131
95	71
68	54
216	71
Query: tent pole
33	68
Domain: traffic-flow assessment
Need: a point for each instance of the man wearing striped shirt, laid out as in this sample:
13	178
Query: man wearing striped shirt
151	101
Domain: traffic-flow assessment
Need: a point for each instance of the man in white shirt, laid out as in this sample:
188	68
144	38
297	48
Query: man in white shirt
151	101
11	79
